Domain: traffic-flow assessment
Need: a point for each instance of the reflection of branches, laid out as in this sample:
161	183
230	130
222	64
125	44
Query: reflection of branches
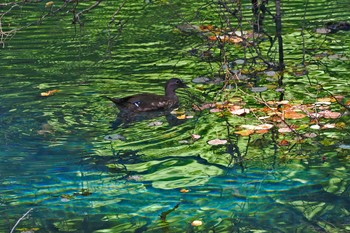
76	17
69	6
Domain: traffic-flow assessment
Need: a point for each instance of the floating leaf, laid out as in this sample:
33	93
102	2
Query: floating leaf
184	190
322	30
49	93
283	143
239	61
310	135
330	114
196	223
315	127
181	117
245	132
328	126
282	102
155	123
323	103
200	80
290	114
258	89
213	110
217	142
261	131
206	28
285	130
114	137
48	4
240	112
184	142
195	136
250	127
263	127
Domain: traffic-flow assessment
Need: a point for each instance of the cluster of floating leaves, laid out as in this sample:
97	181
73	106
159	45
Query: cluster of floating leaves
285	116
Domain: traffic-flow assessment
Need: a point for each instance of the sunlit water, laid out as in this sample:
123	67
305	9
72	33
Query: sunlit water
56	161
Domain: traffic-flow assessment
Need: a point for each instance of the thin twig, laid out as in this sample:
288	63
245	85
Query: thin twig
21	218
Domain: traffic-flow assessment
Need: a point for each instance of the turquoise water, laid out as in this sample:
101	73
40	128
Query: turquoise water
57	163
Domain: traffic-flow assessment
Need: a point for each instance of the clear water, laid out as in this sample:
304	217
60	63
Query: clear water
55	159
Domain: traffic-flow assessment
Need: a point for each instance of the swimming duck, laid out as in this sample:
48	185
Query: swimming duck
151	102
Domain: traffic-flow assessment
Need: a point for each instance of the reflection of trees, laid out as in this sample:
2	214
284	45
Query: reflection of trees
76	8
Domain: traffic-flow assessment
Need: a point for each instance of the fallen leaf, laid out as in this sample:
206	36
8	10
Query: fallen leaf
258	89
155	123
245	132
283	143
48	4
290	114
217	142
240	112
196	223
113	137
181	117
328	126
213	110
184	190
261	131
330	114
206	28
263	126
49	93
315	127
195	136
310	135
285	130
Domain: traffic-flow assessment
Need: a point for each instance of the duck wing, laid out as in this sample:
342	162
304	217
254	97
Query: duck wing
144	102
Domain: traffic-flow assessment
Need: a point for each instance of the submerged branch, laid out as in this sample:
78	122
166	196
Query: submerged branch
20	219
164	214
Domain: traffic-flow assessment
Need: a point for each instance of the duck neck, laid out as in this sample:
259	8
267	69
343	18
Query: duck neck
170	93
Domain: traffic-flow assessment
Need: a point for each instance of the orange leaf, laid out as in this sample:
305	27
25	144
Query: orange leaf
184	190
290	114
283	143
49	93
261	131
181	117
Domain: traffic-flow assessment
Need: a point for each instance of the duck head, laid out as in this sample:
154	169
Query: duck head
173	84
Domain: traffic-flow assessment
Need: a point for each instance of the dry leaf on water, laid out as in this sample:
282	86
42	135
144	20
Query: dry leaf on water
49	93
290	114
245	132
196	223
217	141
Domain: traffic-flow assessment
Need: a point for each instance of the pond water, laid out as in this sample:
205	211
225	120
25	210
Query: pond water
64	162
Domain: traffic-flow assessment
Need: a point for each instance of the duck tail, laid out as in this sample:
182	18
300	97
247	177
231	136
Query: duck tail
114	100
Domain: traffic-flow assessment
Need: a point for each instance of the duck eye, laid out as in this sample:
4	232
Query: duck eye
177	81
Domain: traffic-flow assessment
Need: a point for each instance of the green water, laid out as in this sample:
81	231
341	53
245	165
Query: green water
56	160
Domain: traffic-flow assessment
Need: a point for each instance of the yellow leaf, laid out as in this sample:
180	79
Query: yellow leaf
49	93
48	4
196	223
245	132
181	117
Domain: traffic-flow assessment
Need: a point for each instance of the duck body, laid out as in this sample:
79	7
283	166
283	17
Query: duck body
145	102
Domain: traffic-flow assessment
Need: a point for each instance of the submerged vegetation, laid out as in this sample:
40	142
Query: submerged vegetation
260	141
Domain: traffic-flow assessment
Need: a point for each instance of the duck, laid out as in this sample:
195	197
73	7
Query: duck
146	102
